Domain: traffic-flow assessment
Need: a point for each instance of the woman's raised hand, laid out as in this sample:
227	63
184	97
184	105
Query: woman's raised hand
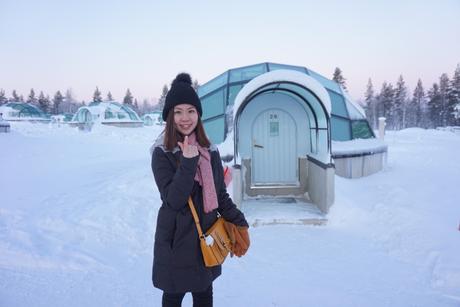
188	150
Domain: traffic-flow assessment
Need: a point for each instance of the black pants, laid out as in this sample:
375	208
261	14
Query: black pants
200	299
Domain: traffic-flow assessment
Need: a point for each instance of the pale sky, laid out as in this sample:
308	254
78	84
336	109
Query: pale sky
141	45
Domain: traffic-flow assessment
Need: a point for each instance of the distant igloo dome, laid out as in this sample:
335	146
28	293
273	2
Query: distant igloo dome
153	118
107	113
20	111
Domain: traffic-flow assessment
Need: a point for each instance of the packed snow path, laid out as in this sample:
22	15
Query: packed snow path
78	213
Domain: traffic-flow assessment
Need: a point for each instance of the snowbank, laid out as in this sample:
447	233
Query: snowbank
78	213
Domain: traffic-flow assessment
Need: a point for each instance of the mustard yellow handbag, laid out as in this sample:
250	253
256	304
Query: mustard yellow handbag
216	251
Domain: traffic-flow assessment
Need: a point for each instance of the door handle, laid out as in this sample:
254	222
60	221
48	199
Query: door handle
256	145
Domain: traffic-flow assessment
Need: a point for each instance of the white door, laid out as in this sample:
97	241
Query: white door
274	159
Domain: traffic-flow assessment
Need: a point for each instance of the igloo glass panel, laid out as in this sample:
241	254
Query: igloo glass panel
233	92
353	111
247	73
213	105
329	84
361	129
212	85
340	129
215	129
338	104
273	66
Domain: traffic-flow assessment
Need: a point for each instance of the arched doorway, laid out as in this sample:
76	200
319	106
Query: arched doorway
282	137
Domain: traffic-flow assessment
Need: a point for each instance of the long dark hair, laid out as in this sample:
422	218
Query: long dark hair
172	136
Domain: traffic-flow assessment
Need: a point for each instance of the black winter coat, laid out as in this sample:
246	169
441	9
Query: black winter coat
178	264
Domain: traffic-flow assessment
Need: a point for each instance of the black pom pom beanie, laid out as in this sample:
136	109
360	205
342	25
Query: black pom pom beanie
181	91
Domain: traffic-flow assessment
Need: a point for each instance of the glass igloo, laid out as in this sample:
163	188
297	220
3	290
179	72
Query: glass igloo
108	113
217	96
20	111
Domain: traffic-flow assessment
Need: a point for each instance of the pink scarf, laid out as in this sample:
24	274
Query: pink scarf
204	176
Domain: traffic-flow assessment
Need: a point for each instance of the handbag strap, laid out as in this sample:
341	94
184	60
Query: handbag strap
195	217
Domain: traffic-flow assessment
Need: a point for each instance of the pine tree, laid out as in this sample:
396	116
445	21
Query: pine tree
128	98
399	106
48	102
370	103
109	96
417	111
15	96
3	98
57	100
434	106
455	94
161	102
69	104
43	103
447	108
145	106
21	98
136	106
338	77
32	99
97	95
385	103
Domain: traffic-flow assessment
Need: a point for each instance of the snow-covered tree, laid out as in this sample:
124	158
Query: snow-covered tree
57	100
161	102
385	100
370	104
417	113
31	98
447	107
434	106
136	106
399	106
3	98
43	103
145	106
97	95
128	98
338	77
455	94
109	96
14	96
69	104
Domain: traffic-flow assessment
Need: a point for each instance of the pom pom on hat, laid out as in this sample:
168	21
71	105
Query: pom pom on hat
181	91
183	77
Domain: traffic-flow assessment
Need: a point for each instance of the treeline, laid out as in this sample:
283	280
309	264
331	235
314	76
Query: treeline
437	107
66	103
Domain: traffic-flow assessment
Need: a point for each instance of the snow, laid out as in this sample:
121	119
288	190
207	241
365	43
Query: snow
358	146
78	213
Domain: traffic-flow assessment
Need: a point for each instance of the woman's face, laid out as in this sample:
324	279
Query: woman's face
185	118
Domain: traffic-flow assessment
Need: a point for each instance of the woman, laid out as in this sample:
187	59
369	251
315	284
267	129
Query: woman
184	165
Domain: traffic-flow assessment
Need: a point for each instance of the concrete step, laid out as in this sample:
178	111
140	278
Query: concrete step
281	210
